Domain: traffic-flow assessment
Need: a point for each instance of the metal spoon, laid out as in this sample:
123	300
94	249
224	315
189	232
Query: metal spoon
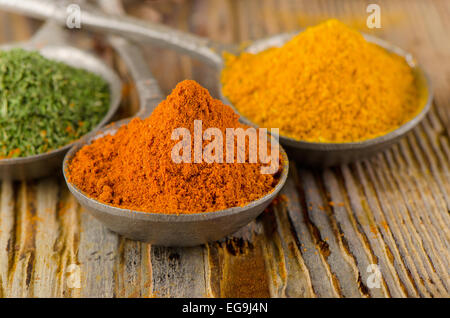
318	154
307	153
170	229
157	228
50	42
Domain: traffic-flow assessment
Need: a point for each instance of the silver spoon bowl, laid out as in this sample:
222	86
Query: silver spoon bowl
306	153
49	41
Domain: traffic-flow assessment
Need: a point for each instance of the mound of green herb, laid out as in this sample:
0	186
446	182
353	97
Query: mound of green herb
45	104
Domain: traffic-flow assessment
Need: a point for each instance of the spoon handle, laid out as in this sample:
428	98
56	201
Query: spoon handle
148	88
126	26
49	34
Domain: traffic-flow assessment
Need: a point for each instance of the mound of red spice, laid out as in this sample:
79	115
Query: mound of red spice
133	168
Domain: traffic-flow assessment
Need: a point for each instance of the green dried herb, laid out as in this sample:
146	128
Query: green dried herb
45	104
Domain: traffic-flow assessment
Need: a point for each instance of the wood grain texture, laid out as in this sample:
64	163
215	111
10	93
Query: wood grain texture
318	239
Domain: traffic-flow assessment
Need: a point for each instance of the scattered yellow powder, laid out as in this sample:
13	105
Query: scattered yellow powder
327	84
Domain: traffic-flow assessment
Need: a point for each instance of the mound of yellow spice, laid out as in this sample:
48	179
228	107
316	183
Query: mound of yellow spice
327	84
134	169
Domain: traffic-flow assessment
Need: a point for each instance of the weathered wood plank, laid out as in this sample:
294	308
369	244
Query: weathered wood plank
68	242
23	254
289	273
351	235
390	217
394	276
328	245
98	253
238	265
134	270
178	272
322	279
47	262
7	220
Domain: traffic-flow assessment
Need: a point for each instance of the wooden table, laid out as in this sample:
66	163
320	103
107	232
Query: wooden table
317	240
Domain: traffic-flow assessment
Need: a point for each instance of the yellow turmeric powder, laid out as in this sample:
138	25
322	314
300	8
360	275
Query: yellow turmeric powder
327	84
